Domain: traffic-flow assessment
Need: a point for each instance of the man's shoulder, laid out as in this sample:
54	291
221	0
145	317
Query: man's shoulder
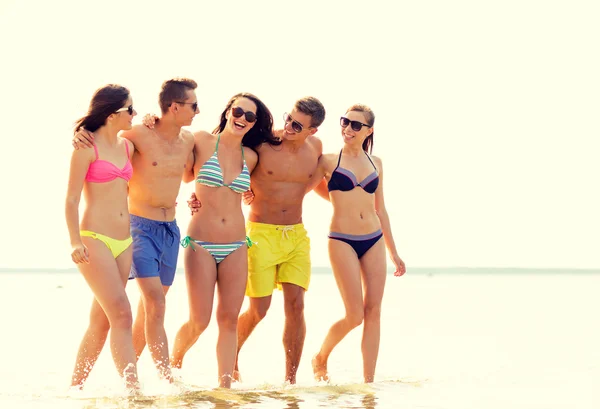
315	142
203	137
135	131
187	135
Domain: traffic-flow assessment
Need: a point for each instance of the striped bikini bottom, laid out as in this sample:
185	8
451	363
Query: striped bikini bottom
219	251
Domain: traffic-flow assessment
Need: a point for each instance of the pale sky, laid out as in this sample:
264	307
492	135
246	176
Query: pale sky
487	112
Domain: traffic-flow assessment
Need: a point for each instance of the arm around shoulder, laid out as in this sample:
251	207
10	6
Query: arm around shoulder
134	133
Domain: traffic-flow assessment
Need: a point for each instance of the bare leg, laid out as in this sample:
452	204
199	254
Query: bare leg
231	278
346	269
91	345
295	329
257	310
373	266
139	326
105	276
139	330
153	296
201	276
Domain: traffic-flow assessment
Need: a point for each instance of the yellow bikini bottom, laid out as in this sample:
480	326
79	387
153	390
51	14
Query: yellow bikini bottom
115	246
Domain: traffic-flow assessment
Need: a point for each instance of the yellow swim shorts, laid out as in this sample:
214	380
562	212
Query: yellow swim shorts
279	254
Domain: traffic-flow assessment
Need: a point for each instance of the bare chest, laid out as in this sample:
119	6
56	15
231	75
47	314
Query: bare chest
287	167
162	158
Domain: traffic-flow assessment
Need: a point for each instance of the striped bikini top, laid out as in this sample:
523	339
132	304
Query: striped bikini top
211	174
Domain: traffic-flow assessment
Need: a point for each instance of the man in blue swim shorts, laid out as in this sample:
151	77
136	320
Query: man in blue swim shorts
160	158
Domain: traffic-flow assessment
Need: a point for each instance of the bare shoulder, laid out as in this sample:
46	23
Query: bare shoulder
377	161
250	155
328	160
187	138
129	144
203	136
135	132
83	155
316	143
186	135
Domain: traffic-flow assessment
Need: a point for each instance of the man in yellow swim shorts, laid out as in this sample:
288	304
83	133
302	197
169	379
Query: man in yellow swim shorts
281	255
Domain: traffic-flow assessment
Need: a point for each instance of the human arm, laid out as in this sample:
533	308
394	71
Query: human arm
194	204
149	120
83	139
322	190
188	172
80	162
248	197
385	224
318	182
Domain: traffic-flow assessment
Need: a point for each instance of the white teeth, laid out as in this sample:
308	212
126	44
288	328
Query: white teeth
239	124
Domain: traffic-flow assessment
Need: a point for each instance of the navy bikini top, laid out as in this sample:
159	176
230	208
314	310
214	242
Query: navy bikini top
344	180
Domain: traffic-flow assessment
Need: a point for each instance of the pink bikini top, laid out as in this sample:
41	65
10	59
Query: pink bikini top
102	171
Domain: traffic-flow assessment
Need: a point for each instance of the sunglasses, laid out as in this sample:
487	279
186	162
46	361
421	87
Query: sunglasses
129	110
238	112
296	126
355	125
193	104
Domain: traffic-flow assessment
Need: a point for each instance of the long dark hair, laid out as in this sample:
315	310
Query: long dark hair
370	117
106	101
261	132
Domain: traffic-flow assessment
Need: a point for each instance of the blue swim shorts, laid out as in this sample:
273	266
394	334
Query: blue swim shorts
155	249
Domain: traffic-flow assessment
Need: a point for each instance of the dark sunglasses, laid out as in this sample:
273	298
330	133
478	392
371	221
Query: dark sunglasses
296	126
193	104
129	110
355	125
238	112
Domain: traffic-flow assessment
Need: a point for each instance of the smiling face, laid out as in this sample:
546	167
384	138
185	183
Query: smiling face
241	117
352	120
297	126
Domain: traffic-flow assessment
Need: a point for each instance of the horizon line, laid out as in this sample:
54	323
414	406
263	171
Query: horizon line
417	268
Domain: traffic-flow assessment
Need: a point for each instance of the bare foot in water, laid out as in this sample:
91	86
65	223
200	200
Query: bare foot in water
320	368
236	376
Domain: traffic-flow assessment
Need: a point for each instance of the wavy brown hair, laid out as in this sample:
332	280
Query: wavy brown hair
261	132
105	101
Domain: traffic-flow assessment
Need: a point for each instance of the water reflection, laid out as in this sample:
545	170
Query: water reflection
369	401
331	396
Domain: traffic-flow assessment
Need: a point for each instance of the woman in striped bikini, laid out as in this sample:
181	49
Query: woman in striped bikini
216	244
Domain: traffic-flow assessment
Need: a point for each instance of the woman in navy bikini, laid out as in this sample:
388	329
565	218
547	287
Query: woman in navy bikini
353	183
216	245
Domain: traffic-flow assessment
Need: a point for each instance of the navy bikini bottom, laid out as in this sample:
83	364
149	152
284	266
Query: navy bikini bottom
360	243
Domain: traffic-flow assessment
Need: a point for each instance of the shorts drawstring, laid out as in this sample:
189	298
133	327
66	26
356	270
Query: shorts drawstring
170	232
285	230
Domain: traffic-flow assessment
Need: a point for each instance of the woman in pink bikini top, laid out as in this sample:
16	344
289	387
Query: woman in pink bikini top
100	239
